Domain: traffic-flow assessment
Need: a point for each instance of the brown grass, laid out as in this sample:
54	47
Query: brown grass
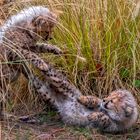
102	41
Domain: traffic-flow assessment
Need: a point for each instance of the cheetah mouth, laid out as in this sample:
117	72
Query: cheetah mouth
46	37
103	107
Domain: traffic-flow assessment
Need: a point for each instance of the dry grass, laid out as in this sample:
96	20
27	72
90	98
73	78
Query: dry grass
102	41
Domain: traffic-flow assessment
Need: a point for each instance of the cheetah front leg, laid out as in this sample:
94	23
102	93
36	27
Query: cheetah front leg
101	121
91	102
46	48
32	57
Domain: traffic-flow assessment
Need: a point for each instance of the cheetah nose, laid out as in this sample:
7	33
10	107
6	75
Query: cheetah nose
103	100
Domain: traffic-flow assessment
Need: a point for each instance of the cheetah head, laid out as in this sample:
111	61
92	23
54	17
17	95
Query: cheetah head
121	107
44	25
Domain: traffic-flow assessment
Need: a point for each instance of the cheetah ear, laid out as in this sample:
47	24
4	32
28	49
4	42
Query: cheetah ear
128	111
57	13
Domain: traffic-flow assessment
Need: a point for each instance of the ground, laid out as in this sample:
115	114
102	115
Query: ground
52	128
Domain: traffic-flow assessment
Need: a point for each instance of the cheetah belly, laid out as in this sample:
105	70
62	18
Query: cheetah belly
73	113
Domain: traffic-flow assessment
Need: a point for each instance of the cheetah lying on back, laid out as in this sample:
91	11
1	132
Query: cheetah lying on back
115	113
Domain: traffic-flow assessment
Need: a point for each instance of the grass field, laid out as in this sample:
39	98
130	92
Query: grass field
101	38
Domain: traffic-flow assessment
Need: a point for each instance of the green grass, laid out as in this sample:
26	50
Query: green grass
106	36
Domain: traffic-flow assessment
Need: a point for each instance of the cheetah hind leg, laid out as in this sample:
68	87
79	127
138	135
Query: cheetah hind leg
60	83
43	89
53	76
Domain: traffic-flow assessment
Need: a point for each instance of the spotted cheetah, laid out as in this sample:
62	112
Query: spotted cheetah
62	94
19	38
117	112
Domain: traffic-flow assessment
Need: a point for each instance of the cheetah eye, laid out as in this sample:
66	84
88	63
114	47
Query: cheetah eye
111	101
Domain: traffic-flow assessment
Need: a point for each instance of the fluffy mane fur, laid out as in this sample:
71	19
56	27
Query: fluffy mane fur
27	14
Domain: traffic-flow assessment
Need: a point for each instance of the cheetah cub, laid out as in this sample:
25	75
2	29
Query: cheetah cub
117	112
20	34
19	38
